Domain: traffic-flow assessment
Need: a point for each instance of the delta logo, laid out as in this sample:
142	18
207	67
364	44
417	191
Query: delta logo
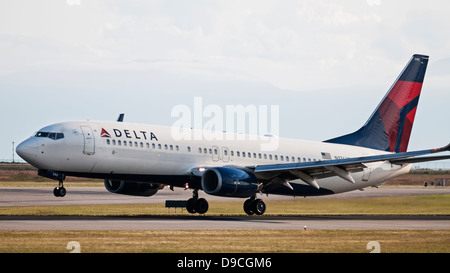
130	134
105	133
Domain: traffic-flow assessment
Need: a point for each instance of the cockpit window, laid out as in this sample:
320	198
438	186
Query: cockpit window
50	135
41	134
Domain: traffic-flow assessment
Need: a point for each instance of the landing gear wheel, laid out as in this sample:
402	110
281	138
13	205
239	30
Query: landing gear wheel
59	191
190	206
201	205
247	207
197	205
254	206
258	207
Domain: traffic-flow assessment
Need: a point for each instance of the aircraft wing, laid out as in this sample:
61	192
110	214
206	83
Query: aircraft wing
310	171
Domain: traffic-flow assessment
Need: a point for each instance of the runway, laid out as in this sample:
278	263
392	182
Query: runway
357	222
36	196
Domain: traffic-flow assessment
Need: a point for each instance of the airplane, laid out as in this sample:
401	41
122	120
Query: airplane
139	160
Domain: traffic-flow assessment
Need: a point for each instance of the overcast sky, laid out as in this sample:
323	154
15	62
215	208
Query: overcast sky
327	64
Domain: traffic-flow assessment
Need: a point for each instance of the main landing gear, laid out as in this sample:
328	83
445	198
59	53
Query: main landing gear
254	205
60	191
197	205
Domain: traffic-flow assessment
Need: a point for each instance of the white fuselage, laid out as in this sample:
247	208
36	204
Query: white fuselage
106	148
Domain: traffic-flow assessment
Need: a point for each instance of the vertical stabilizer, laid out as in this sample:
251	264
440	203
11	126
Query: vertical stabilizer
390	125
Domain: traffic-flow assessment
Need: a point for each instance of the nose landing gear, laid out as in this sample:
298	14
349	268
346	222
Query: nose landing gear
60	191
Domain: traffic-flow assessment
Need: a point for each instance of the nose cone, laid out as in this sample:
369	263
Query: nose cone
28	150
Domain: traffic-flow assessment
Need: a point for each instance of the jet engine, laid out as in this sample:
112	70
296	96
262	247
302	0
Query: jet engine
231	182
131	188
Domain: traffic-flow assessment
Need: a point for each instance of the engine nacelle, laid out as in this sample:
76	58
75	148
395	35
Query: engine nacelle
225	181
131	188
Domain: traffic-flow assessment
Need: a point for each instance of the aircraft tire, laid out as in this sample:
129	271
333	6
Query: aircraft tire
247	207
190	206
59	192
201	205
62	191
258	207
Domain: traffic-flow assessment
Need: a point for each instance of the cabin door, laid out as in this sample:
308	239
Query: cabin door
89	140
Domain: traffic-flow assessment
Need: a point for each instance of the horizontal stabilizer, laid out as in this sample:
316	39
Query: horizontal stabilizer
419	159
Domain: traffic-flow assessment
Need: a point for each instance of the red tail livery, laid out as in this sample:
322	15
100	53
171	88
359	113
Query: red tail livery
389	127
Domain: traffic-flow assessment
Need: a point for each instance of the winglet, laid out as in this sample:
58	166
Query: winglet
442	149
120	118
